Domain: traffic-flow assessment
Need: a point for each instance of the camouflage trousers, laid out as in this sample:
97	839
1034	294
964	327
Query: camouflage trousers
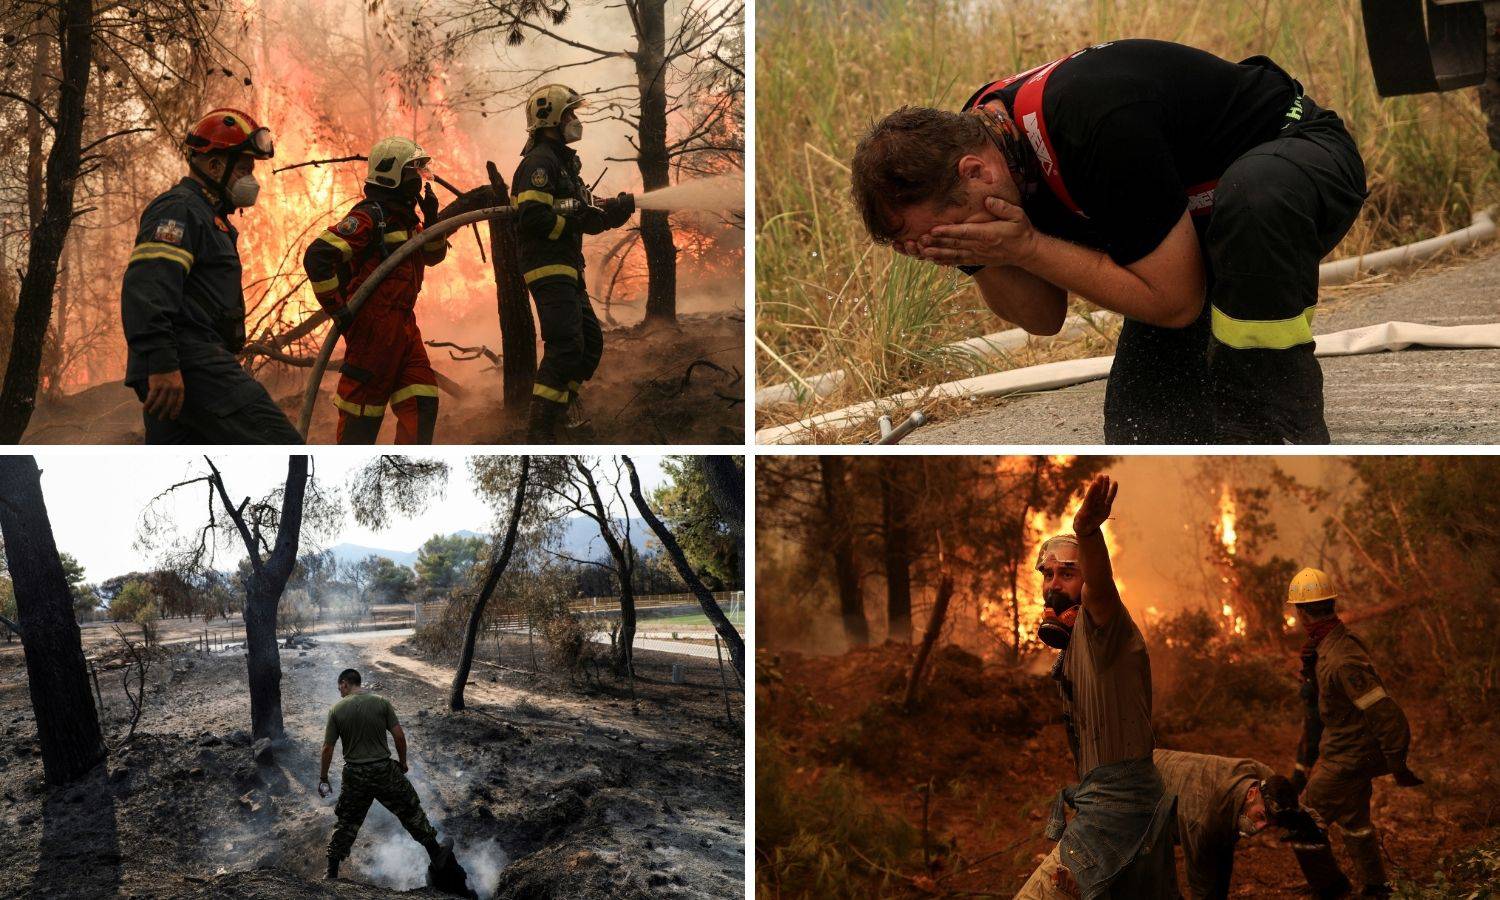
383	781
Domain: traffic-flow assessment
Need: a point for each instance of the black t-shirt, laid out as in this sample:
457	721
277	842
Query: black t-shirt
1135	122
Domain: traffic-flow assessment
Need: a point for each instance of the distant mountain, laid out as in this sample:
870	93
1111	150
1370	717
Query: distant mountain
580	540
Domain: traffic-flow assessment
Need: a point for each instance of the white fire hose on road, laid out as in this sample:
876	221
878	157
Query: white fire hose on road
1387	336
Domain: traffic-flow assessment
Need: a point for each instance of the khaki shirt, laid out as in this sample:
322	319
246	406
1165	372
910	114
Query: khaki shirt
1107	691
361	721
1361	725
1210	791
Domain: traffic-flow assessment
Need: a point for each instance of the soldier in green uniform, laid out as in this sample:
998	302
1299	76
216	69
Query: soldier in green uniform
1353	731
360	720
554	211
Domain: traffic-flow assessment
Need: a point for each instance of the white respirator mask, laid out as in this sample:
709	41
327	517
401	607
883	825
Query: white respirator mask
572	132
244	191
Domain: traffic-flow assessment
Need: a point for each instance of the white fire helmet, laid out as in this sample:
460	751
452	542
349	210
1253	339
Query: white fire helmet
547	105
390	156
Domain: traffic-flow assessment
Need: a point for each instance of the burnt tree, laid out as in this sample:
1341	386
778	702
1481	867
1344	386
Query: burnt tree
726	487
491	579
721	623
895	508
623	553
836	514
67	724
653	160
269	573
49	231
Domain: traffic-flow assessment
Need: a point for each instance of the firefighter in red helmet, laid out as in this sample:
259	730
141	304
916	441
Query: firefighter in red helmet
385	361
182	303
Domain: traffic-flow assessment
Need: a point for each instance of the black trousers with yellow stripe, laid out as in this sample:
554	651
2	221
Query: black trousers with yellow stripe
1245	372
572	341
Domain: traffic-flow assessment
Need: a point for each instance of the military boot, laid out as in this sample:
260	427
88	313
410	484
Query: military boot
333	869
1369	869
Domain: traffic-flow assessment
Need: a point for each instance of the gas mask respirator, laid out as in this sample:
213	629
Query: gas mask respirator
1060	610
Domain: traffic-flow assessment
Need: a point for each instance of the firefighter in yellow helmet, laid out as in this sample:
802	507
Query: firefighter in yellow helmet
1353	731
555	210
385	361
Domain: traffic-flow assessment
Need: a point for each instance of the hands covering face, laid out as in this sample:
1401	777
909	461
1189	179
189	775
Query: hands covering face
1000	235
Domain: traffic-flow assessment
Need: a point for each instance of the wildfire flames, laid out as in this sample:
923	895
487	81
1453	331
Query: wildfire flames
1225	531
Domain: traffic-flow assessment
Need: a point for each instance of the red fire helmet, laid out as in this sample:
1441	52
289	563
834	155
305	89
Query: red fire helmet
230	130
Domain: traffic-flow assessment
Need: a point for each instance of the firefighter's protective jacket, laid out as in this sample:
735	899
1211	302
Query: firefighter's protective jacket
1210	791
1350	721
182	302
551	244
343	256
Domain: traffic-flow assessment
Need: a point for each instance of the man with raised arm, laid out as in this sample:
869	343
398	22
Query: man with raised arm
1119	841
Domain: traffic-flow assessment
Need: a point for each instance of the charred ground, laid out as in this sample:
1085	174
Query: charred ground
549	785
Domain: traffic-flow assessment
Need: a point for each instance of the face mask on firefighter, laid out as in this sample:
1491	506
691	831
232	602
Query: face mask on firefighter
244	191
572	131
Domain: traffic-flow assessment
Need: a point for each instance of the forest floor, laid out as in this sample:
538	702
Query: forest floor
989	743
643	393
550	787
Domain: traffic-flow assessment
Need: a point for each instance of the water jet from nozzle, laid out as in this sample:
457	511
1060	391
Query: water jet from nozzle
722	193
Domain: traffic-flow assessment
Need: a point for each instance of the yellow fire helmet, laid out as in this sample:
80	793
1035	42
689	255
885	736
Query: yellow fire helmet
1048	551
547	104
390	156
1310	586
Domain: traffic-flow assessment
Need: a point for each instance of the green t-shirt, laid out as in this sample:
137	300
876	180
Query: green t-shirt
362	721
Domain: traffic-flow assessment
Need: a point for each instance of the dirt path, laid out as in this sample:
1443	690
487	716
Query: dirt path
549	789
1411	397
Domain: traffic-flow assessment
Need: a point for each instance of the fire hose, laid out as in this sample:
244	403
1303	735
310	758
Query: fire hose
444	227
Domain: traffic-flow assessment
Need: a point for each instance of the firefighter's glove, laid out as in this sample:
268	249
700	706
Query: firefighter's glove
429	204
1299	781
343	317
618	209
1407	778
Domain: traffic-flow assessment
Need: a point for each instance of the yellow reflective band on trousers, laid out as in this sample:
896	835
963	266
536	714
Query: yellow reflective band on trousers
355	409
323	287
414	390
396	237
156	250
557	228
338	243
549	271
534	197
541	390
1274	334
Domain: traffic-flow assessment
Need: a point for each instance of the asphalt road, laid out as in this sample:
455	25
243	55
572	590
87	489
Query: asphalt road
1410	397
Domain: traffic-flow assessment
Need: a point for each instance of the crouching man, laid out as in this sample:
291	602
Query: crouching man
1118	844
1220	799
361	721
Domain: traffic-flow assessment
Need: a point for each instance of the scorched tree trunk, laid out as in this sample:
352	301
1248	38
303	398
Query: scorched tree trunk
491	579
267	583
66	723
654	161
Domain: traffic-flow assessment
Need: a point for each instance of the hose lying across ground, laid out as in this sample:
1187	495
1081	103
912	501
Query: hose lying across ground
1389	336
439	229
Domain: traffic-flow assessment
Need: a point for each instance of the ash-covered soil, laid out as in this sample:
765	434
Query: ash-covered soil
642	393
548	788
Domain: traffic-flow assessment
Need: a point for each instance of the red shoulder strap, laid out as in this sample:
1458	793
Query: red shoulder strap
1028	113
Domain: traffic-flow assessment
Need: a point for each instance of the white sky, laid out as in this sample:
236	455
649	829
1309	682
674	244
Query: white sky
95	498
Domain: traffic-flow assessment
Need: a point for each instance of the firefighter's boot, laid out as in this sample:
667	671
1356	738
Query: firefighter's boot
444	872
1364	852
333	869
546	416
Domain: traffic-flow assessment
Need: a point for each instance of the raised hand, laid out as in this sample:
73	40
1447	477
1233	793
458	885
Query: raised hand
1098	500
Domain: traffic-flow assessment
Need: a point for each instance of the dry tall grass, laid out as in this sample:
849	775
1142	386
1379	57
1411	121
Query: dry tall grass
827	299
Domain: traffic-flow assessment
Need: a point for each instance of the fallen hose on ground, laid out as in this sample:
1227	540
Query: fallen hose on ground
315	377
1341	271
1387	336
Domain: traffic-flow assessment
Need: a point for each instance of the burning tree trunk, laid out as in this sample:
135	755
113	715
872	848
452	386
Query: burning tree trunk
517	328
67	724
268	577
654	161
491	579
846	572
893	510
721	622
50	230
